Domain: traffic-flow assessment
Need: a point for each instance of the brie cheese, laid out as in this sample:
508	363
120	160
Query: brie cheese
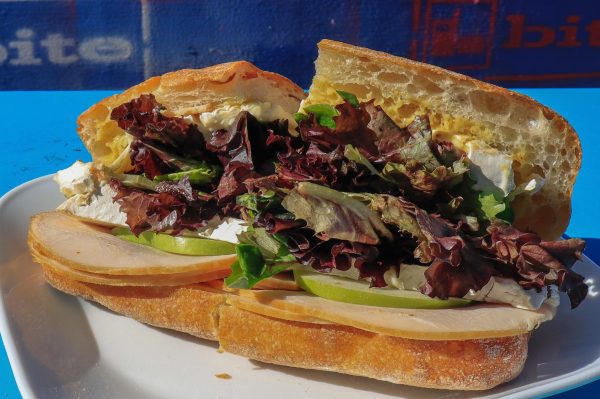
223	229
223	117
77	179
97	205
490	168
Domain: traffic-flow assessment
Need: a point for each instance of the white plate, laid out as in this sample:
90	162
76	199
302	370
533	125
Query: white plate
63	347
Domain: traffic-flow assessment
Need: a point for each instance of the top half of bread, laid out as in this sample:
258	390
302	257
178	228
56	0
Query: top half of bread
187	92
461	109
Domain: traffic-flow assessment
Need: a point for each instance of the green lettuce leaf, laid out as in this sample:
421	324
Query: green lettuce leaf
493	206
260	256
351	153
255	203
299	117
490	205
137	181
349	97
334	214
416	149
202	174
393	212
324	114
469	202
273	247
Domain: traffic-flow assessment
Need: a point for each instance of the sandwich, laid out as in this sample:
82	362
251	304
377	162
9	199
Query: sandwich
400	222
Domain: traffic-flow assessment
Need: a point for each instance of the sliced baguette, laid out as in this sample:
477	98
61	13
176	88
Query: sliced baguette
202	311
404	89
474	364
462	109
192	309
259	327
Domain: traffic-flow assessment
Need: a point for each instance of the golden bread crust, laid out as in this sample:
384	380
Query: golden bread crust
462	109
192	309
467	365
203	311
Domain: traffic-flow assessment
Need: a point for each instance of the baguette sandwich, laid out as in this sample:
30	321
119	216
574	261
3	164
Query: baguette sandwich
400	222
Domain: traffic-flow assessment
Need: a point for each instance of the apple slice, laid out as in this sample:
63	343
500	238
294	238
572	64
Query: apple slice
177	244
358	292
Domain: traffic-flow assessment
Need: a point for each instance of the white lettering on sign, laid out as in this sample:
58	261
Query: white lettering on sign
24	46
57	46
106	49
24	50
3	54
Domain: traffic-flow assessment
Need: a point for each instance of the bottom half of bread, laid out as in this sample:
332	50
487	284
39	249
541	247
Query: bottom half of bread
201	310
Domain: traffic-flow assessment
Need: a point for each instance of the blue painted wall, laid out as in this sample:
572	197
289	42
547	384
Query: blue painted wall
111	44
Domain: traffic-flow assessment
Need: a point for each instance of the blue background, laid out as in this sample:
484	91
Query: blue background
112	44
281	36
38	137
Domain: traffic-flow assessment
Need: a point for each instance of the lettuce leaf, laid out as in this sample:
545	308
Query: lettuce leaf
260	256
398	212
246	150
349	98
490	206
143	119
324	114
333	214
202	174
486	207
371	261
272	246
538	263
254	204
137	181
353	154
174	206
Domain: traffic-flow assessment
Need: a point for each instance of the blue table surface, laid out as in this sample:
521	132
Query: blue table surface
37	137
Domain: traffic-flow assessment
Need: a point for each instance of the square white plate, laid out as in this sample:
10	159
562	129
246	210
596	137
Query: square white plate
64	347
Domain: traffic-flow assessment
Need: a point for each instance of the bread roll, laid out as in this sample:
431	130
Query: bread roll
462	109
199	310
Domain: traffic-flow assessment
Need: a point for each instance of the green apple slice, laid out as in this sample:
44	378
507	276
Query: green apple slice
177	244
358	292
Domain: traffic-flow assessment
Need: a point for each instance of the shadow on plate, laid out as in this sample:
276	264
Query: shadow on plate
49	329
54	340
